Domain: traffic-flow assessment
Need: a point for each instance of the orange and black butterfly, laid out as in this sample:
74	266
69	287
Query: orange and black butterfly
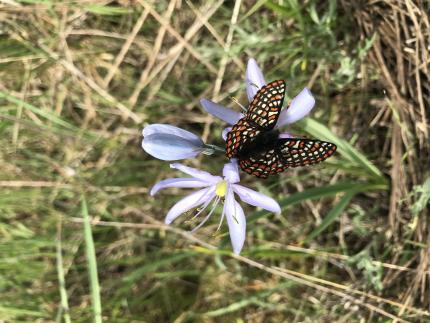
255	142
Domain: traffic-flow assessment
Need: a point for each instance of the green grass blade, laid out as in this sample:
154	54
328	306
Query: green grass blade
331	216
92	264
48	116
253	9
44	2
282	10
244	302
7	312
319	192
106	10
62	283
153	266
318	130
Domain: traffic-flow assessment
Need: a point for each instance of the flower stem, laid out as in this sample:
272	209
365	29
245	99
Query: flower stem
211	149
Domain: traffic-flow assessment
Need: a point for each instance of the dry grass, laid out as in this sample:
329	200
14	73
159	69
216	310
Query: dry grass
78	81
401	53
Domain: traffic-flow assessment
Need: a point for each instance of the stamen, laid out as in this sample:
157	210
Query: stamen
217	199
222	219
238	103
201	209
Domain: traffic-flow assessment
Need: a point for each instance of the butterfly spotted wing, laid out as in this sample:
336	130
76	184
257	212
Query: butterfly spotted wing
262	164
286	153
240	134
262	115
255	142
266	105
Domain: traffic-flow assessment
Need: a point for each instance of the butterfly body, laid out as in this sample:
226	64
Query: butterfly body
257	144
265	141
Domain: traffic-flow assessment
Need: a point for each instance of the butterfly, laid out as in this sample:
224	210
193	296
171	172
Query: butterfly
255	142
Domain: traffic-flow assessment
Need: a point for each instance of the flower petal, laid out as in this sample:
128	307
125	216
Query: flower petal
228	115
231	171
178	182
197	173
236	222
189	202
285	135
257	199
171	147
225	133
254	79
171	130
300	106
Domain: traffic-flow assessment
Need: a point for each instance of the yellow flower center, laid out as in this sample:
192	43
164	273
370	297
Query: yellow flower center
221	188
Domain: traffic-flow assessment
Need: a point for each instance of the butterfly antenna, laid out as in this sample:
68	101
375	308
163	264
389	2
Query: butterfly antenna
238	103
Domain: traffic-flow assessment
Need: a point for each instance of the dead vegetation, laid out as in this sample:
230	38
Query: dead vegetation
80	79
401	53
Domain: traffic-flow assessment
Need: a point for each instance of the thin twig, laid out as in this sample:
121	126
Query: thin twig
125	48
275	271
225	57
125	112
174	53
325	254
175	34
154	53
48	184
215	34
355	291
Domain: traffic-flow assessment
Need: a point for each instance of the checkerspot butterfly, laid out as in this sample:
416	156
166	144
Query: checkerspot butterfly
255	142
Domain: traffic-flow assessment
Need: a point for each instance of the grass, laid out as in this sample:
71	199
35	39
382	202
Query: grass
92	264
82	240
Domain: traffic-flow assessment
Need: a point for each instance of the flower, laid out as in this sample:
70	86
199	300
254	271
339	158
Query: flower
167	142
299	107
216	188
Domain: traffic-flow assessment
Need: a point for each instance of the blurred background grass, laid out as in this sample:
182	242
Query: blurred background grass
82	240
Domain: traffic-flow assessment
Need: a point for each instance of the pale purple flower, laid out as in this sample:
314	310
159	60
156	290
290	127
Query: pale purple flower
168	142
216	188
299	107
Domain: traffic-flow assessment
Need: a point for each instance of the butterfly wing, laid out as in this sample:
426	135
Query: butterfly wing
263	164
241	133
266	105
297	152
262	114
291	152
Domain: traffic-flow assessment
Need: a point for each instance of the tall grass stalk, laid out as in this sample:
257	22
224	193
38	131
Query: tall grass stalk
92	264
